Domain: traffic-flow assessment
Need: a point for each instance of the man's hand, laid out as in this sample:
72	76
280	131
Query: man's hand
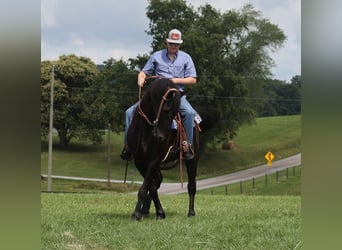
141	79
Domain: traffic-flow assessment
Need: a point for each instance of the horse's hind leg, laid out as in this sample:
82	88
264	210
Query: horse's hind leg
192	172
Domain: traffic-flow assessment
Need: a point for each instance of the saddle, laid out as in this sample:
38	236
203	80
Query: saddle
176	137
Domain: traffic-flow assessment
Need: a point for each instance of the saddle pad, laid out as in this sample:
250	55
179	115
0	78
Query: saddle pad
197	119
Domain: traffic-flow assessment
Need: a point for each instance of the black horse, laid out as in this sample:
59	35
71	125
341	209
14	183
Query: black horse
149	139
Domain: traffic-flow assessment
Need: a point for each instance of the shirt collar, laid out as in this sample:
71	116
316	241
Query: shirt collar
167	53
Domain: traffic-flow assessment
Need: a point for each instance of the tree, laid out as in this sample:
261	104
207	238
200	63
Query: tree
119	86
78	107
60	97
281	98
230	51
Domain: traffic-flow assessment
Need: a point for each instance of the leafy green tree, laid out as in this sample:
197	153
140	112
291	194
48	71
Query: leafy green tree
281	98
231	52
292	93
78	107
119	86
270	98
138	63
61	96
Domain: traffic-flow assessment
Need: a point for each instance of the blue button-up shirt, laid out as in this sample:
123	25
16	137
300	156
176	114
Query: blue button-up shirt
160	64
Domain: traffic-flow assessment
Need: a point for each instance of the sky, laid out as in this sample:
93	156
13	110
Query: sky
105	29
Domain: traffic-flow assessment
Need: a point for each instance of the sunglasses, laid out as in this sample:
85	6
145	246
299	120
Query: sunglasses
174	44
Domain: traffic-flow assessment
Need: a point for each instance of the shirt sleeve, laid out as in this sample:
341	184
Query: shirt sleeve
190	70
149	68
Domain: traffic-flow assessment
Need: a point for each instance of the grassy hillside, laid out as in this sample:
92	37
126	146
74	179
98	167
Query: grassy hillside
280	135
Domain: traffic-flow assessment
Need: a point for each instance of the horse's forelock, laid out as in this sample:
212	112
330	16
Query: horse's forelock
159	88
154	94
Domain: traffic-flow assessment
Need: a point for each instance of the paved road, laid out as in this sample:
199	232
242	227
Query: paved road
175	188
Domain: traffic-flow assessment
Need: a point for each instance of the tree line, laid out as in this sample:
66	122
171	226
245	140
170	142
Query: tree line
231	54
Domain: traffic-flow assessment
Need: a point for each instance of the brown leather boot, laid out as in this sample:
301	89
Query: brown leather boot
187	152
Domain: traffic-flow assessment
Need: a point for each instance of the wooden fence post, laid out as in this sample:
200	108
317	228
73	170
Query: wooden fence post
266	179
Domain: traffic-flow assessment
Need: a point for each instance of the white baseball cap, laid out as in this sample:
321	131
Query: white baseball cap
175	36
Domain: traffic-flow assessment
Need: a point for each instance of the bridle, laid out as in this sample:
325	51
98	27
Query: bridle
164	98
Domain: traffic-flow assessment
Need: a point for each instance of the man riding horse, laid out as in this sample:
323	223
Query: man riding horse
177	66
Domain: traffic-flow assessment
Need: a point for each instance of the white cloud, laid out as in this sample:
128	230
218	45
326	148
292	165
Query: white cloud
222	5
285	14
48	18
109	28
76	41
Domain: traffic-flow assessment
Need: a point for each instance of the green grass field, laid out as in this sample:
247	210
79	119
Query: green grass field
259	217
280	135
102	221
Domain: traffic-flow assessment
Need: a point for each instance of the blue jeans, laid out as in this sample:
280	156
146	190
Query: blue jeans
187	112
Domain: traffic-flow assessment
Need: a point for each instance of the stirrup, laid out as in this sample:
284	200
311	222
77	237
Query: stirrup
126	154
187	151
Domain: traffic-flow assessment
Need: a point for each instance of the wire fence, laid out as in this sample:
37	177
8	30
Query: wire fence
267	184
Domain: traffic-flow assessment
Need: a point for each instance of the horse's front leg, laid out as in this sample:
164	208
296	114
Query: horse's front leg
153	195
160	214
143	192
145	210
142	196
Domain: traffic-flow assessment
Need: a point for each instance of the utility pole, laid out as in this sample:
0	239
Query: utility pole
50	129
108	156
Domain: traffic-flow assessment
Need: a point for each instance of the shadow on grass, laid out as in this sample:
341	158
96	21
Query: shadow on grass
113	215
151	216
76	147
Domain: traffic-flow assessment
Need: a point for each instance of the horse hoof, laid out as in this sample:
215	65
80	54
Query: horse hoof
191	214
136	216
160	216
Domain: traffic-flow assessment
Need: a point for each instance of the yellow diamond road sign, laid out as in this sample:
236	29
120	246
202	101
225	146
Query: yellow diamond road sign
269	157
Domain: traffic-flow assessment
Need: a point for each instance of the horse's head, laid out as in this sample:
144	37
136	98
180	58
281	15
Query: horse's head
164	100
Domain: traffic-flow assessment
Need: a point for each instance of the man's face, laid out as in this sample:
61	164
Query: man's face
172	47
